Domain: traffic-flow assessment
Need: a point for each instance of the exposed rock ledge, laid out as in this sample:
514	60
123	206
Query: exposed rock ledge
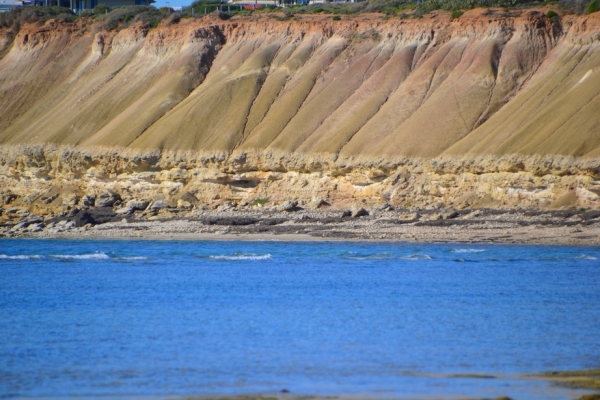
52	180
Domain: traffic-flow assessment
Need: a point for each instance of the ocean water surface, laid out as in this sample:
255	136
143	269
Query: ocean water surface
150	319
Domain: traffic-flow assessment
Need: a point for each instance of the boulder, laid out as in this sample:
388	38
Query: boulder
227	205
385	207
124	211
158	205
137	204
107	199
88	200
287	206
318	202
95	216
360	212
33	228
19	226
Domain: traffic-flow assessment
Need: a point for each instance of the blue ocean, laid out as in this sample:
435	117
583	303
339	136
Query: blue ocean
168	319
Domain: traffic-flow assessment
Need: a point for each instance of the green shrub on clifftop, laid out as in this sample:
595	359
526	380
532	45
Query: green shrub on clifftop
21	15
124	16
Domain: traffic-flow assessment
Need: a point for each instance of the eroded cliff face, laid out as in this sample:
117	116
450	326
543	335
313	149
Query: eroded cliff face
426	112
53	180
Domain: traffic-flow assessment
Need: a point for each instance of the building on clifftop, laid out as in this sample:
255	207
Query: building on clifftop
75	5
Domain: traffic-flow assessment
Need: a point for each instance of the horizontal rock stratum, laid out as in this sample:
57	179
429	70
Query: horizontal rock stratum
494	108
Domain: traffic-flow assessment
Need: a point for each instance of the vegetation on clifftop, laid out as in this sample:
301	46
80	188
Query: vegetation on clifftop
150	17
17	16
402	8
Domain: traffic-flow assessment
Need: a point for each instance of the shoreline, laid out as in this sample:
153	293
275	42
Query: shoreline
290	238
479	226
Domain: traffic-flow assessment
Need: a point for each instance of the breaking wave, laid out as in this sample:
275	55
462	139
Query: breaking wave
94	256
20	257
132	258
584	257
242	257
468	250
415	257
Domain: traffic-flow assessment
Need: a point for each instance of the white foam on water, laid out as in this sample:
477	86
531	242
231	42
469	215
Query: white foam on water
415	257
133	258
468	250
94	256
242	257
584	257
20	257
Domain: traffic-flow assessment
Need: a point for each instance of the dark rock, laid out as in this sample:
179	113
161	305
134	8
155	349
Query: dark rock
49	199
331	220
273	221
88	200
33	228
590	215
361	212
19	226
35	219
137	204
8	198
107	199
384	207
95	216
229	221
450	215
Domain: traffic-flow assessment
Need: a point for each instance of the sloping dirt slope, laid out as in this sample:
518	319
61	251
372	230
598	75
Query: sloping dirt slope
487	83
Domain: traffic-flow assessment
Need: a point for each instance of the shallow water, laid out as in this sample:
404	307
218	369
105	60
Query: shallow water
159	318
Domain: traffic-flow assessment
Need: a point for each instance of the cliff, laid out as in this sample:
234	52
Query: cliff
492	109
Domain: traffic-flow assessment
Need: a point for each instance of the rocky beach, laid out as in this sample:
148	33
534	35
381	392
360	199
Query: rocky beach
564	227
